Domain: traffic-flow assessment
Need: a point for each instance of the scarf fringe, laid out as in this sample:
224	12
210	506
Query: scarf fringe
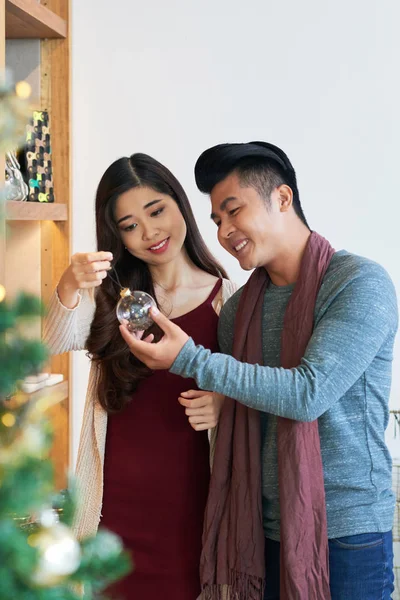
241	586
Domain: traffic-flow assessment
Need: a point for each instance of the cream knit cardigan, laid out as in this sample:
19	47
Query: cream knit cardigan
65	330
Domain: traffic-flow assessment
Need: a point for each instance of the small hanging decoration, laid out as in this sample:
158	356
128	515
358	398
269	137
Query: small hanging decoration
133	308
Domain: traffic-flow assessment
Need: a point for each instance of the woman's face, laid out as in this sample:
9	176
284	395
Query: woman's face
150	224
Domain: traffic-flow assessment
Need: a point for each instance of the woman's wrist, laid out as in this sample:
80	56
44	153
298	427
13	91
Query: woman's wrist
67	291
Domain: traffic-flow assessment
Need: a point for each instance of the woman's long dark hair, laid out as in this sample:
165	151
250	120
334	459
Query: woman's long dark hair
119	372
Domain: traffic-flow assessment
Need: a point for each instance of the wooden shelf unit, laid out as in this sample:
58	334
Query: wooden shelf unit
27	19
36	211
35	248
59	391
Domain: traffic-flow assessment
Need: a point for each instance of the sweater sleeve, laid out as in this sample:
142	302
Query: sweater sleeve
345	341
68	329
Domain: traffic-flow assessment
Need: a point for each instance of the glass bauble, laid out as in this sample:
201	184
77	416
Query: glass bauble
59	551
133	310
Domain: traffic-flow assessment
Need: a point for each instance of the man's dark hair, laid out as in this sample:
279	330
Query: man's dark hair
260	165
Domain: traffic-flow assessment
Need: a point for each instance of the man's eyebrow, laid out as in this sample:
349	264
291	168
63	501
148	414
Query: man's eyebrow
223	206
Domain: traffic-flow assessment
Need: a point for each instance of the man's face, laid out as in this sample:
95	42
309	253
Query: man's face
249	228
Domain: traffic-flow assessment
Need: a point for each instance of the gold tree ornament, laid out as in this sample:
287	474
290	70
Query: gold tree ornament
59	551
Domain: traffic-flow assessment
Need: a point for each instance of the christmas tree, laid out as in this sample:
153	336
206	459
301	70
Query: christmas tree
40	558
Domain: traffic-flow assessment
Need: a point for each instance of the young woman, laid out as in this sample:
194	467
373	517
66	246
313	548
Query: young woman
143	463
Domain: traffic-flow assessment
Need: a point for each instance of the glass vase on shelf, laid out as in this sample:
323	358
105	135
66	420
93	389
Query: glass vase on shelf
15	187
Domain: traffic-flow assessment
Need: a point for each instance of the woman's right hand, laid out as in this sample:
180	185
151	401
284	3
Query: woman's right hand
87	270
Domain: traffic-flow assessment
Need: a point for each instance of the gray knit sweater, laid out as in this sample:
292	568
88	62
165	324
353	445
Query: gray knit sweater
343	381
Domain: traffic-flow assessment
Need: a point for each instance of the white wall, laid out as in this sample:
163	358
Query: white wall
173	78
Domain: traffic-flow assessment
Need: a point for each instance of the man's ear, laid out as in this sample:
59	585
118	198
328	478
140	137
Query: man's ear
285	197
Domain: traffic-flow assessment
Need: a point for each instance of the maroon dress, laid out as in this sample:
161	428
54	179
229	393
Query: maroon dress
156	476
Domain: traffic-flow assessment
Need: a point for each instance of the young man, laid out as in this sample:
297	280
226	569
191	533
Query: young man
311	340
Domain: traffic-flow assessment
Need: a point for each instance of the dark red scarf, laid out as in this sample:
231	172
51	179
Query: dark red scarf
233	538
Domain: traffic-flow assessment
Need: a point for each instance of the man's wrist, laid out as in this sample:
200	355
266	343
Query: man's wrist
180	363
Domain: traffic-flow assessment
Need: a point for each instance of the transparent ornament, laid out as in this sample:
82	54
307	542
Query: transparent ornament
59	551
133	309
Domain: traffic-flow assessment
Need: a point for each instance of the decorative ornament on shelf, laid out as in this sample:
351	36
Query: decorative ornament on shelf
59	551
15	187
36	158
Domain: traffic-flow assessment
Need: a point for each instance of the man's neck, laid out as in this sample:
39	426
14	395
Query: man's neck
285	268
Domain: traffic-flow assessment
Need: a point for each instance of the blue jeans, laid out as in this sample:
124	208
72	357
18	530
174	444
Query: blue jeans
361	567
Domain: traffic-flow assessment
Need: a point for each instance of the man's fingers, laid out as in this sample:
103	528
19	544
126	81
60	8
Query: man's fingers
131	339
162	321
142	349
139	334
160	355
128	337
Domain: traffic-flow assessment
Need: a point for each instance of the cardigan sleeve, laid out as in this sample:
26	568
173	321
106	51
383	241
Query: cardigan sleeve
67	329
